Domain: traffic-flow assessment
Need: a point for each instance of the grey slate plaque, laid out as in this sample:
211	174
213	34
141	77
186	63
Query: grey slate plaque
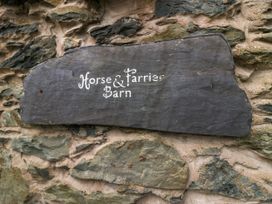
182	86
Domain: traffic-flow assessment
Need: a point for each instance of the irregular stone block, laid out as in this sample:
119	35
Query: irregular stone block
254	57
10	119
267	37
48	148
266	107
183	86
232	35
7	29
209	8
219	177
35	52
141	162
73	14
42	174
125	26
65	194
177	31
260	141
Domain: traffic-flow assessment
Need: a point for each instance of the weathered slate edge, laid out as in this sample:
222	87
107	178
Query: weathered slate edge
37	67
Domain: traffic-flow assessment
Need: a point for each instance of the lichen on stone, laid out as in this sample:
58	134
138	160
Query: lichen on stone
219	177
67	195
140	162
260	140
10	119
177	31
14	189
173	31
47	148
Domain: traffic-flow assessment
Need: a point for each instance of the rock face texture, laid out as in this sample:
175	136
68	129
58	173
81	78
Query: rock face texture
48	148
127	163
124	26
92	164
35	52
209	8
219	177
14	188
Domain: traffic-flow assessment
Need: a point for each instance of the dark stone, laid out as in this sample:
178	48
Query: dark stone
208	8
39	173
3	141
254	57
192	88
141	162
266	107
69	14
219	177
14	45
88	130
11	28
48	148
268	120
125	26
35	52
12	2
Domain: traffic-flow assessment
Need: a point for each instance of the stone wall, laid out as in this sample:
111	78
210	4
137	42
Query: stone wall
93	164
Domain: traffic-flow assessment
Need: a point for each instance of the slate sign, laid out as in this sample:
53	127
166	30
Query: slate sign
182	86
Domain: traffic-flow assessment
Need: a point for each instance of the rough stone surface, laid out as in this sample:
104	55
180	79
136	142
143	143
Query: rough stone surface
207	89
177	31
70	43
172	32
260	140
266	107
219	177
64	194
48	148
139	162
10	119
209	8
13	187
39	173
232	35
125	26
8	29
69	13
12	2
35	52
255	57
